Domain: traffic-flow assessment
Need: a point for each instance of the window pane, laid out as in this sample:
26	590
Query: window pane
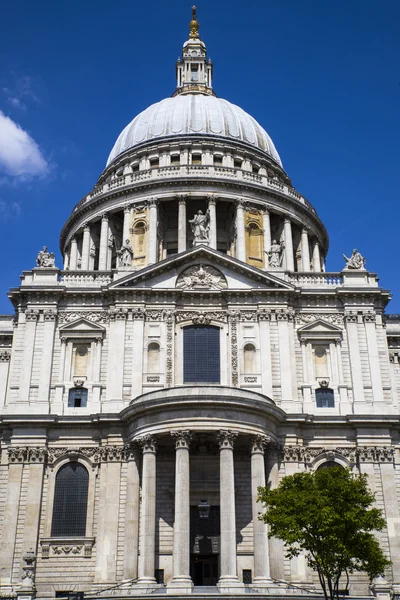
70	501
201	363
325	398
77	398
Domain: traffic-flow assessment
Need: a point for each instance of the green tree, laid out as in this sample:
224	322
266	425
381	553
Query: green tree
328	514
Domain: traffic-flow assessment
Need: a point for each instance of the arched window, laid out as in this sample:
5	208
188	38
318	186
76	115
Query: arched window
201	354
77	397
321	361
325	398
153	358
70	501
328	464
249	358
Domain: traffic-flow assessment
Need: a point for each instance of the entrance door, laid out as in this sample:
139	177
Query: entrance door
204	570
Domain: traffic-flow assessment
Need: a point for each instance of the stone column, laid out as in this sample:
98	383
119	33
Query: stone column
289	259
85	248
103	252
228	576
73	257
181	557
127	224
275	546
267	236
148	514
305	251
66	258
316	259
212	201
131	539
181	224
240	235
49	327
153	222
260	536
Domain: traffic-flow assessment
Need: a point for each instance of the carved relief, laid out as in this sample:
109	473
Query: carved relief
93	317
226	438
334	318
233	321
182	438
201	277
118	314
366	454
5	355
169	317
201	317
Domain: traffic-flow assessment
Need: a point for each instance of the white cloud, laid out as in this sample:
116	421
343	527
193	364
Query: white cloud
20	92
20	155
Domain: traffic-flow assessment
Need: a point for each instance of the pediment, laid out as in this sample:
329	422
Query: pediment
320	329
82	328
202	269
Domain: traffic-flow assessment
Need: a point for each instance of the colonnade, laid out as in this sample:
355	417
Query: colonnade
84	259
181	541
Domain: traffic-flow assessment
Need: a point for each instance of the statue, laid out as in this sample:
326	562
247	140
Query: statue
125	254
45	258
356	261
200	225
275	254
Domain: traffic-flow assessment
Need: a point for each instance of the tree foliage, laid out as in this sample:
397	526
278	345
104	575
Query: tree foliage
328	514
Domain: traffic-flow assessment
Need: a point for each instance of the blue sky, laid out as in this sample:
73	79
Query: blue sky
321	76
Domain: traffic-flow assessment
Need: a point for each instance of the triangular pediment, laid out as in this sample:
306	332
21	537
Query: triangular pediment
201	269
81	326
320	329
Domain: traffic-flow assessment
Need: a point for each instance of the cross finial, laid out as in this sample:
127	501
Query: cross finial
194	25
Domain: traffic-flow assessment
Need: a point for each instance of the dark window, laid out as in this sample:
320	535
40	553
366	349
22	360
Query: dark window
196	159
62	594
77	397
135	168
201	354
154	162
237	163
159	576
325	398
217	160
255	169
328	464
70	501
175	159
247	578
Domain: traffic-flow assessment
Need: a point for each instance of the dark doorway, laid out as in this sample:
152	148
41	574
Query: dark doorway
204	569
204	542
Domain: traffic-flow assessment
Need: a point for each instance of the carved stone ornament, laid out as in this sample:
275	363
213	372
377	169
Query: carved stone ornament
169	317
351	318
334	318
371	454
50	314
369	317
258	443
28	570
233	321
148	443
5	355
19	454
201	277
93	317
201	317
31	314
356	261
118	314
96	454
182	438
226	439
45	259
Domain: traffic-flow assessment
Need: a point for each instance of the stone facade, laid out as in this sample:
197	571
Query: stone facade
92	372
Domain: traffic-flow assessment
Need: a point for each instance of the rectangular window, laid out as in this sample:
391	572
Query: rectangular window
196	159
77	398
237	163
159	576
154	162
201	354
325	398
175	160
217	160
194	70
247	578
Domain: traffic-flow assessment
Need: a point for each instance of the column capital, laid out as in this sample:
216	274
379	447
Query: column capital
240	202
287	220
212	199
182	198
148	443
266	212
104	217
226	439
128	208
153	202
305	230
182	438
85	226
369	317
258	443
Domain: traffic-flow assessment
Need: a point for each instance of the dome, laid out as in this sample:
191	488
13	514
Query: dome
191	114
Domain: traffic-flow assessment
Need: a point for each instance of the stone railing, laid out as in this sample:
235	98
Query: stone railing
316	279
85	277
189	171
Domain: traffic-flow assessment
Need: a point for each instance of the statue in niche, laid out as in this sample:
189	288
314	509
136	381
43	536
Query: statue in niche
356	261
45	258
201	277
200	225
275	254
125	254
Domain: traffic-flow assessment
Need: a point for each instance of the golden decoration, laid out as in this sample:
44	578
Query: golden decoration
194	25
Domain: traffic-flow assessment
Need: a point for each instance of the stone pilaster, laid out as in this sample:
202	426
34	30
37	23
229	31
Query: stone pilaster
355	361
181	581
181	223
305	251
267	236
153	222
115	368
374	362
31	318
131	540
49	326
212	202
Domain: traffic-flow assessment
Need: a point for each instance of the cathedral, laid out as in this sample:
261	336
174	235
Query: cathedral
191	348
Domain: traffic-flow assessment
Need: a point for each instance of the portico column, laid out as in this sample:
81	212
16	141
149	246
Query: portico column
228	575
103	253
153	218
148	514
288	246
181	224
316	259
267	236
126	225
85	248
213	221
73	260
181	549
66	258
260	536
305	250
240	237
